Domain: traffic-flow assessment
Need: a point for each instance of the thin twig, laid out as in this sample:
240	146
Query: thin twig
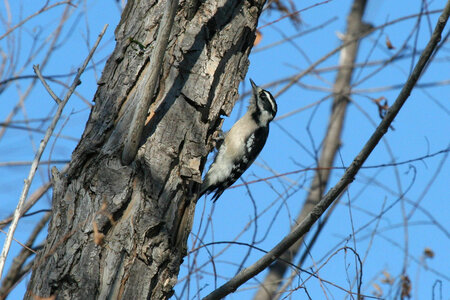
27	163
54	36
294	13
40	151
20	243
134	134
17	269
45	8
346	179
313	66
32	200
47	87
421	158
20	127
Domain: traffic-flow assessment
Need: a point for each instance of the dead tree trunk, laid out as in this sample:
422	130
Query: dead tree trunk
114	227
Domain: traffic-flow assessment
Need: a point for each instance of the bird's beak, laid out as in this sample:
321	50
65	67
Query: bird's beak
254	86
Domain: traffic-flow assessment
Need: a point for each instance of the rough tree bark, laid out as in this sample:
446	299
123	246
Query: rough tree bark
113	229
341	90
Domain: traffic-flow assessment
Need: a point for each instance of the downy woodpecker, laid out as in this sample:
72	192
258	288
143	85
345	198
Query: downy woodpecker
242	144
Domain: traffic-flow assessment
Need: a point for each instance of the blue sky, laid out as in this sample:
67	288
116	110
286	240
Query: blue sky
420	129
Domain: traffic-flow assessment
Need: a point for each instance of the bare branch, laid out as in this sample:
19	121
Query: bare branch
394	164
313	66
45	8
294	13
17	270
40	151
27	163
47	87
348	176
31	201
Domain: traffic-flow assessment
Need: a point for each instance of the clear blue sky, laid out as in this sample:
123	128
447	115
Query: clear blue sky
421	128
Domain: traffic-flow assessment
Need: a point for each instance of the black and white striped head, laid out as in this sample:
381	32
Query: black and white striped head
264	105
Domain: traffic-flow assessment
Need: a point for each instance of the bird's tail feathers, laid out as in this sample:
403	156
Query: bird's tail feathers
204	189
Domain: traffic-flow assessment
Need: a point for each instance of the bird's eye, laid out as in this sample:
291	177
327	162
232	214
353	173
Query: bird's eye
263	96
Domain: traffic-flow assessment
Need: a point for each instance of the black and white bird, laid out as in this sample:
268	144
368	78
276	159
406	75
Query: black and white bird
242	144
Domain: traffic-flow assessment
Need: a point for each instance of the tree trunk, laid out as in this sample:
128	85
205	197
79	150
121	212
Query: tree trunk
114	228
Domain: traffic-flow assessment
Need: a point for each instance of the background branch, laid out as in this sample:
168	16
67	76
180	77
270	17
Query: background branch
43	144
348	176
